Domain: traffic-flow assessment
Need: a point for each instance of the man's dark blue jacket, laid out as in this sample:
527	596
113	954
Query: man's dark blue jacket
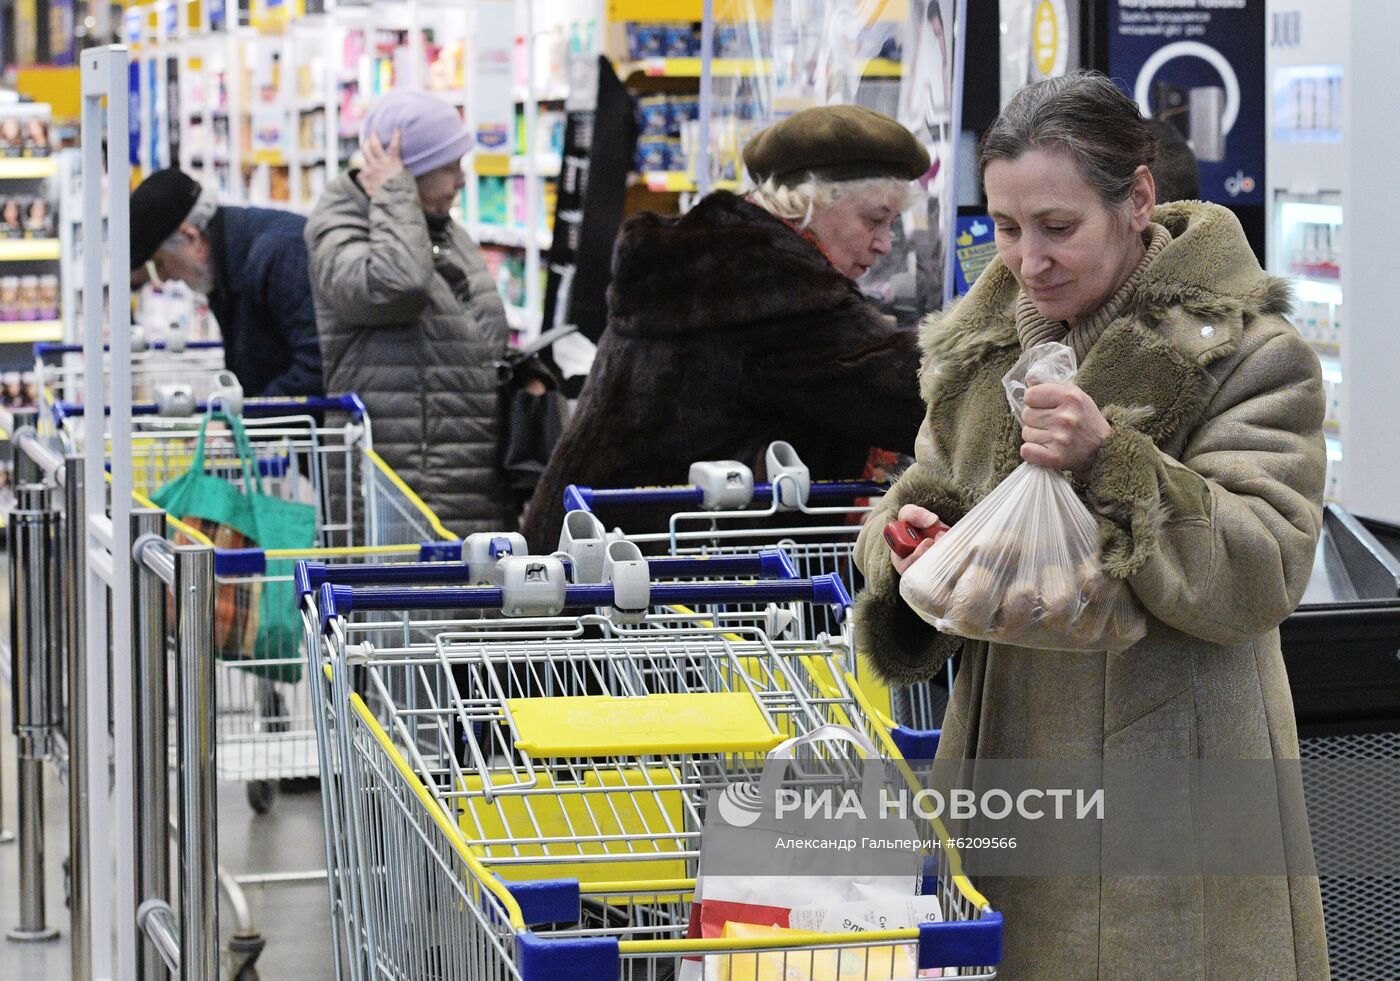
262	300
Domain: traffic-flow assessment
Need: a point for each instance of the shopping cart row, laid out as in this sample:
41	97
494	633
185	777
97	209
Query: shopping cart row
418	657
516	777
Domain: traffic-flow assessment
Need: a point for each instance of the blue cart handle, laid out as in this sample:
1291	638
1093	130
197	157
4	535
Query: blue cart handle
770	563
580	498
252	408
338	601
41	348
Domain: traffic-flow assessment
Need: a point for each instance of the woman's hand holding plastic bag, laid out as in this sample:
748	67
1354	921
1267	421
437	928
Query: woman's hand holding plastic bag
1023	566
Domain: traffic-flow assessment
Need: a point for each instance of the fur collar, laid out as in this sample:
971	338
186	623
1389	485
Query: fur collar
724	264
1152	361
1208	271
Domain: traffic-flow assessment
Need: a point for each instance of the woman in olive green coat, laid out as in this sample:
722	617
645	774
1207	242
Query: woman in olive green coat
1194	433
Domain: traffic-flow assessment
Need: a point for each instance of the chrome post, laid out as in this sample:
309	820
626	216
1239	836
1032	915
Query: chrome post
151	750
33	551
199	858
26	470
75	583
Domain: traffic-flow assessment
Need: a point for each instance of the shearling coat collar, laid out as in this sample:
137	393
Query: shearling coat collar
1206	277
1157	363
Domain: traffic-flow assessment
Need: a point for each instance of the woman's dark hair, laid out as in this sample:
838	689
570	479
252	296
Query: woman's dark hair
1084	116
934	12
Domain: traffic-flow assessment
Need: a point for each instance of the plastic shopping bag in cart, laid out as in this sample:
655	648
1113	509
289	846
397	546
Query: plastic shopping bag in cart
744	828
1023	566
254	619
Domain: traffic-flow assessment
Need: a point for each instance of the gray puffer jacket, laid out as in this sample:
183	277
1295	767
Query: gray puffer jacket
410	320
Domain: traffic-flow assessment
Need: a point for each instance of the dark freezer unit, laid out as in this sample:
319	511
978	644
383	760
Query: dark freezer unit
1342	645
1342	649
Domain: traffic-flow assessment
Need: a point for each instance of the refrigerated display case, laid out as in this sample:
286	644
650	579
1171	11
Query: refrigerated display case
1331	214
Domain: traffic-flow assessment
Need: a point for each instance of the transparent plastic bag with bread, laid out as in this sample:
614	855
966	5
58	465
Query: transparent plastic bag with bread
1023	567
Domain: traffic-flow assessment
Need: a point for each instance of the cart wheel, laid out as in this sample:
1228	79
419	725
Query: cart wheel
241	955
260	794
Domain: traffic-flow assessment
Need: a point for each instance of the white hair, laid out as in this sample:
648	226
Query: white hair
801	203
199	216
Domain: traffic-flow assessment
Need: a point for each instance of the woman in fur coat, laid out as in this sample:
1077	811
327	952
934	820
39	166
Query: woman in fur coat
1194	433
740	323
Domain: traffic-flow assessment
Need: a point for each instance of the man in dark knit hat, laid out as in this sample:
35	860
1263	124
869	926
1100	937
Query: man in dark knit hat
251	264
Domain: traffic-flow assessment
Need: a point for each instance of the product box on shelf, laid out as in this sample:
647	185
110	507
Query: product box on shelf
26	216
653	115
23	135
28	298
491	200
654	153
507	268
21	389
662	40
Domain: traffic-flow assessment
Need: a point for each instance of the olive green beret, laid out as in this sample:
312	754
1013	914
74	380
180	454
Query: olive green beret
835	143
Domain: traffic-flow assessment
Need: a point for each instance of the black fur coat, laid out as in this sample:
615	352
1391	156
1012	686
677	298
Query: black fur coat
728	330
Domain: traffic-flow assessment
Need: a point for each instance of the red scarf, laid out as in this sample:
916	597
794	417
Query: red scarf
804	232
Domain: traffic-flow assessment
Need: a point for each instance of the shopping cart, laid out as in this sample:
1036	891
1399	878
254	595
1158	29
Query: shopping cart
365	512
724	512
523	797
159	370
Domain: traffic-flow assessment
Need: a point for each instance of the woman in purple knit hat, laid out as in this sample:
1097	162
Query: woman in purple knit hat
408	315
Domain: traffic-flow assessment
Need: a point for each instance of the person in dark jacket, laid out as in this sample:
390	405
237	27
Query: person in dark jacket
409	315
250	263
741	323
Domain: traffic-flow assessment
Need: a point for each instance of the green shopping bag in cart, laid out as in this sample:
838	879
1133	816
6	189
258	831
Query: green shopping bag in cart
253	619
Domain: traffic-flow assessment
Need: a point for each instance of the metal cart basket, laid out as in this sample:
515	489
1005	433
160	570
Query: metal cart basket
523	796
724	512
364	512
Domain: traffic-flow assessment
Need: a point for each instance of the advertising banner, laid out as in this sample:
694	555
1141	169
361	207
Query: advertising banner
1199	65
133	87
493	109
61	39
975	246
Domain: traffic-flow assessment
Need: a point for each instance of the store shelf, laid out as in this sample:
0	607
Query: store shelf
678	182
503	165
510	236
734	68
693	10
550	93
31	331
1317	290
883	68
28	168
29	250
690	68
